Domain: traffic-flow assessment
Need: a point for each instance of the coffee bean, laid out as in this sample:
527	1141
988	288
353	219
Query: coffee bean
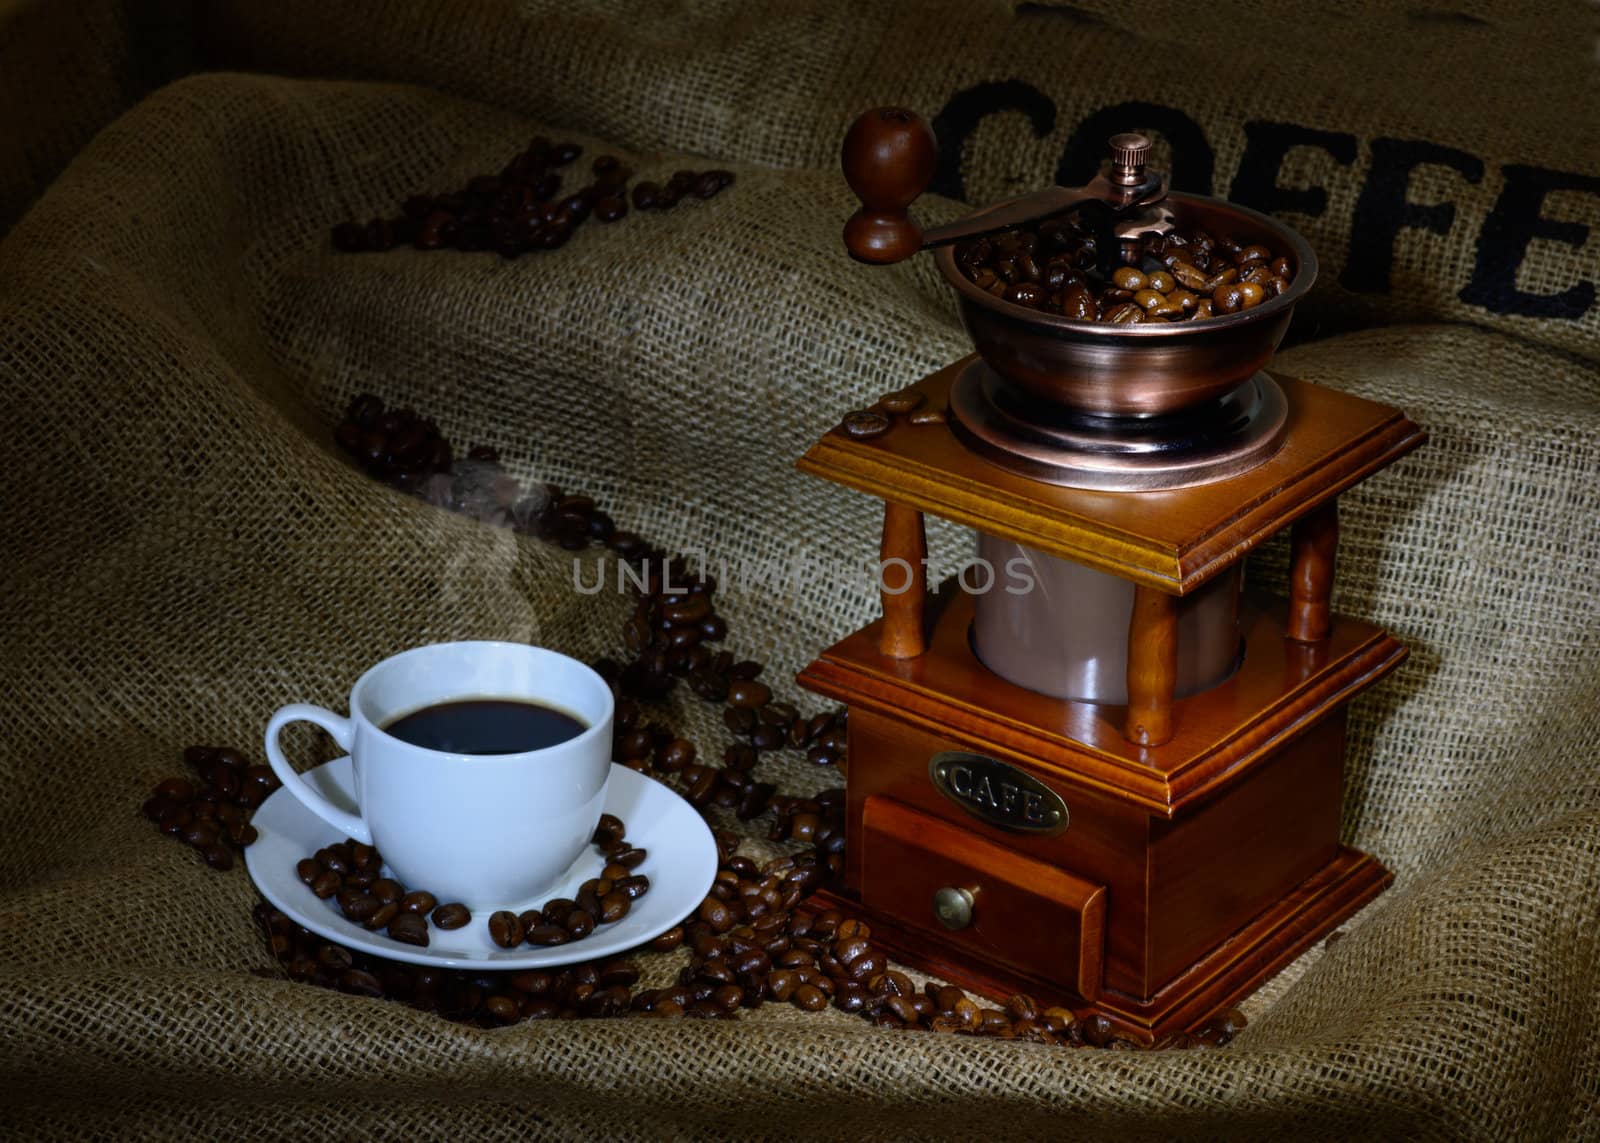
866	966
647	195
614	906
902	1008
1029	294
618	972
753	802
701	786
782	982
1222	1028
803	827
852	997
864	425
409	928
175	790
993	1022
1059	1021
900	401
609	830
451	916
326	884
198	756
675	755
891	983
851	929
333	957
261	776
364	858
419	901
810	998
968	1013
767	737
1228	298
1096	1030
361	983
669	940
634	744
387	890
543	935
716	914
217	856
1022	1007
199	834
356	905
630	858
505	930
381	916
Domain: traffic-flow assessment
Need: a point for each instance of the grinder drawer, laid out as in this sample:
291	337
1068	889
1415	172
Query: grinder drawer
998	905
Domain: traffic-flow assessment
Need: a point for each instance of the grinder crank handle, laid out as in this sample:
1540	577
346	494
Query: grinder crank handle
889	158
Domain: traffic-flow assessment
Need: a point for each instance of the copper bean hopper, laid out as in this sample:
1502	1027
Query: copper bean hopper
1097	771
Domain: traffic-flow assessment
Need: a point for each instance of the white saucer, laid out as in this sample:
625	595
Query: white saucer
681	862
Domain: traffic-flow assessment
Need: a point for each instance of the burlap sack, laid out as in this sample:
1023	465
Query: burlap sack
186	551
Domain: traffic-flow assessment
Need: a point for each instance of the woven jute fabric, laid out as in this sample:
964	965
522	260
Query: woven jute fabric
185	549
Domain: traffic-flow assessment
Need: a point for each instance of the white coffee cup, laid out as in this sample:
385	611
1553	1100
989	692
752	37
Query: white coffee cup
489	830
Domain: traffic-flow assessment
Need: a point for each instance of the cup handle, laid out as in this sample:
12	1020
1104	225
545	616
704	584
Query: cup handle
342	731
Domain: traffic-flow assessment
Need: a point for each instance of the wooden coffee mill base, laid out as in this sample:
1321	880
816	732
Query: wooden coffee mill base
1153	861
1116	788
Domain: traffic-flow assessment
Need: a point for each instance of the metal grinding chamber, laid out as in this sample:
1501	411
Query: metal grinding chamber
1118	789
1068	636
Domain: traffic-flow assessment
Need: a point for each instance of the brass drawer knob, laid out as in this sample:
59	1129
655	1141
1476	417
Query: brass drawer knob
953	907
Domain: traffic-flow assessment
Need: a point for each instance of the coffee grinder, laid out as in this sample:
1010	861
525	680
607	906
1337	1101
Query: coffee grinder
1119	790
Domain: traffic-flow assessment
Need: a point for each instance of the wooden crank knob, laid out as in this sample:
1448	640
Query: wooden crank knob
889	157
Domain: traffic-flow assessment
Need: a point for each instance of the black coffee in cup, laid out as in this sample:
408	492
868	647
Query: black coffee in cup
486	726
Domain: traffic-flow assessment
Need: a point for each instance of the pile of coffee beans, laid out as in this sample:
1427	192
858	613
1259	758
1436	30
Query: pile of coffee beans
750	942
524	207
487	999
683	184
602	900
214	814
1180	276
395	446
351	873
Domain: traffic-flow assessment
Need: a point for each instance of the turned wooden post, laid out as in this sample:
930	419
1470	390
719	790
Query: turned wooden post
1314	542
1152	666
903	540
